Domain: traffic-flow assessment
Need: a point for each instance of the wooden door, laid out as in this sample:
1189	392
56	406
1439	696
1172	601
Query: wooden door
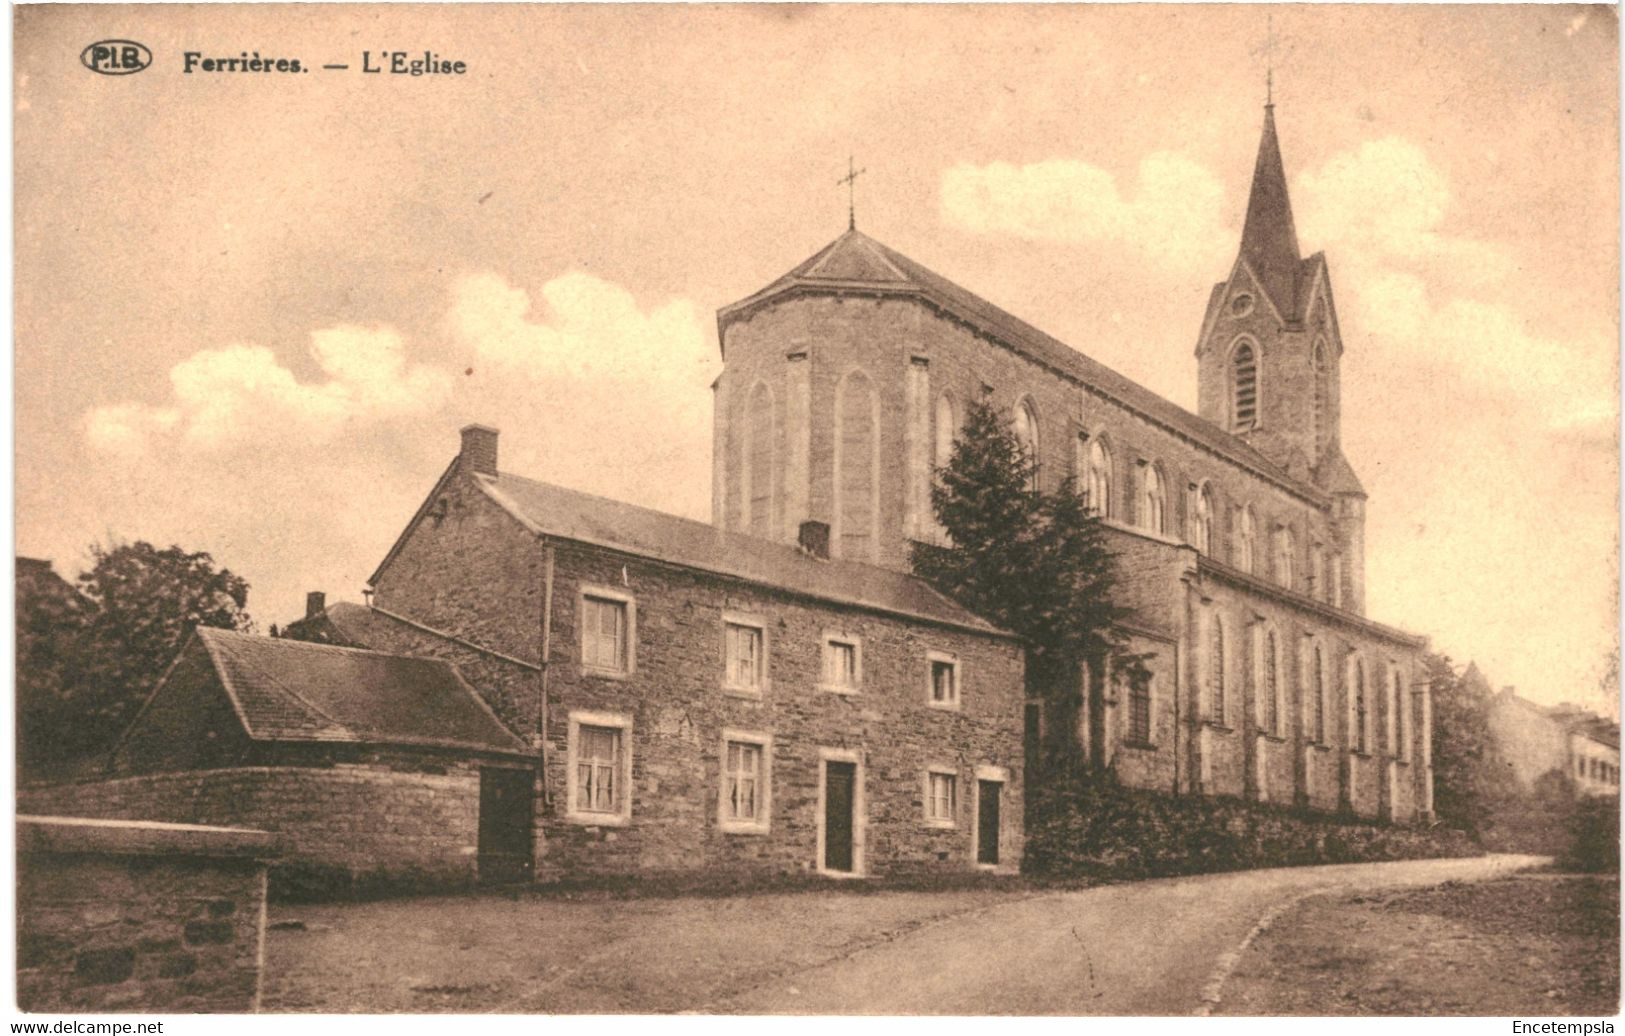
840	786
987	820
505	822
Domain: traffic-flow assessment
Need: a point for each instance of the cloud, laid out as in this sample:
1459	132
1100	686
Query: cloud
1420	296
602	394
1172	215
240	395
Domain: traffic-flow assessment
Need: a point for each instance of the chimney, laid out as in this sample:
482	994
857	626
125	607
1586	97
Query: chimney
480	449
315	604
815	539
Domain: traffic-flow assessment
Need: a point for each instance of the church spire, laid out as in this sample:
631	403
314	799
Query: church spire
1269	241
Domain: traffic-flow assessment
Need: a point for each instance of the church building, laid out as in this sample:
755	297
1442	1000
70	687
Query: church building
1240	529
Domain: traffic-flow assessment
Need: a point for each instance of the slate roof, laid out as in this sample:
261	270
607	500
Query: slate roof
556	511
1269	239
856	262
288	690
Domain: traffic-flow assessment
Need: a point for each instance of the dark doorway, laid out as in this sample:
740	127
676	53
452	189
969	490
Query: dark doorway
505	816
840	786
987	820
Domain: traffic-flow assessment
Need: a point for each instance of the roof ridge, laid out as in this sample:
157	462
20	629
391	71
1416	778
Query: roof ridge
336	723
311	645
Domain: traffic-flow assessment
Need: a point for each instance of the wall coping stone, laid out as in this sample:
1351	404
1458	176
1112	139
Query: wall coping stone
46	834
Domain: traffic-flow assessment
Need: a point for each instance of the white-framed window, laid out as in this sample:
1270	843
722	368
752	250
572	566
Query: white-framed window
745	798
1217	687
1099	483
1317	694
1154	500
942	797
947	428
1246	538
943	673
842	663
599	768
608	631
744	653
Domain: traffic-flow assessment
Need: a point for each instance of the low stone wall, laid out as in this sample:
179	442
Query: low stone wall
345	829
126	916
1093	826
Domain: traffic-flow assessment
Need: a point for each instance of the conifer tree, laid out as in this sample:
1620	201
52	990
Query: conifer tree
1035	563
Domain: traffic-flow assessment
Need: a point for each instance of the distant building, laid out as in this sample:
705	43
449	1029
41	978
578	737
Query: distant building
1539	741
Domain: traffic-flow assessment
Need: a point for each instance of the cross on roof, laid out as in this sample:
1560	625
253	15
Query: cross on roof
851	179
1273	46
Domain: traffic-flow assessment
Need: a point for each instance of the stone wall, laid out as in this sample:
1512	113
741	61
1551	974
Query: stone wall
344	828
139	917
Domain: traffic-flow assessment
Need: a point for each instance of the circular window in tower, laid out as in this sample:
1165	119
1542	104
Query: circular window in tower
1241	305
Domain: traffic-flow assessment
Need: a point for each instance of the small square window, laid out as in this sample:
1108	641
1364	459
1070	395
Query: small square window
941	798
944	670
744	657
605	634
843	664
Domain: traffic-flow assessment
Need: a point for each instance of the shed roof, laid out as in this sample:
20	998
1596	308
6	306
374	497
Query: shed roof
288	690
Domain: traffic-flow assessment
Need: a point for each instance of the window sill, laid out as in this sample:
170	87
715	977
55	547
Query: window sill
1215	725
1146	746
742	827
749	693
1320	746
1272	738
940	825
597	819
944	706
606	674
845	692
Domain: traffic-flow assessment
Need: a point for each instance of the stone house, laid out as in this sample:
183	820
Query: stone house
1537	741
1240	528
702	699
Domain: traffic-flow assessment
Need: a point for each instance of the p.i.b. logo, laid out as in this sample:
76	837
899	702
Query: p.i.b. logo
116	57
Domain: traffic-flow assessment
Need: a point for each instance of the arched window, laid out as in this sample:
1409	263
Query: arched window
1246	539
1154	501
1317	573
1322	415
855	467
1334	580
1271	686
1244	375
1284	550
1215	672
758	466
1099	483
1361	709
947	427
1202	520
1139	711
1317	695
1026	429
1399	737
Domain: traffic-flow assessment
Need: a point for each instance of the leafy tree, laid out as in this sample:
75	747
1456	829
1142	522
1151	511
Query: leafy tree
1032	562
1470	779
98	652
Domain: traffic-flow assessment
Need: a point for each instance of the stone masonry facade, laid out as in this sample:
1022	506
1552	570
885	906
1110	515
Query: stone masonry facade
476	573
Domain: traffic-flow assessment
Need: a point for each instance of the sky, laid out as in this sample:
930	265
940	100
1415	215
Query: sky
252	310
